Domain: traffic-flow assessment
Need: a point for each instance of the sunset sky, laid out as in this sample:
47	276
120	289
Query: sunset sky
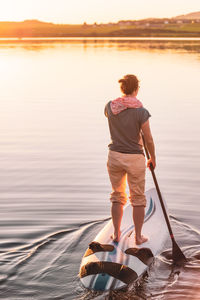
90	11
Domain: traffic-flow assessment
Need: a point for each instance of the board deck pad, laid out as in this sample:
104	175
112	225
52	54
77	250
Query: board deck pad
107	265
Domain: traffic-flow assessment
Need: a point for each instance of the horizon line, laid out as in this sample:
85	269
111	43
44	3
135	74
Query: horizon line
112	22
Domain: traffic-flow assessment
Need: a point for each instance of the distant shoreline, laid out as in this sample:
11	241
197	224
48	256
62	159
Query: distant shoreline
155	28
27	39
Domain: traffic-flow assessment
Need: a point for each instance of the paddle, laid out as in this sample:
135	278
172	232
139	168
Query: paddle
177	255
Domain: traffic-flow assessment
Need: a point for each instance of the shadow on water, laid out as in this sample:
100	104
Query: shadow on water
46	268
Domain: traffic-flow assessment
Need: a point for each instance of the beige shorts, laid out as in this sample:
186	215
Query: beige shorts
122	166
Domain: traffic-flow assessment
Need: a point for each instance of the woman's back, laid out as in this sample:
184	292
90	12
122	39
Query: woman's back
125	129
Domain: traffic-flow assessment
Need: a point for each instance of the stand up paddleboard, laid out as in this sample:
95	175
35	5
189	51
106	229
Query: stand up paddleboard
107	265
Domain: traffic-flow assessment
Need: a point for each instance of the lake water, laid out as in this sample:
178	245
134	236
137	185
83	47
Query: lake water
54	187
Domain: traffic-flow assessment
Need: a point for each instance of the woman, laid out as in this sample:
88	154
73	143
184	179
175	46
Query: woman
126	118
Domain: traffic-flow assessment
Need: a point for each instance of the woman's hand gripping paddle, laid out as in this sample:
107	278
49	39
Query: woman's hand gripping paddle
177	255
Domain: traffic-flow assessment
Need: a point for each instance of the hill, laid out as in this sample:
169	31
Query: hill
191	16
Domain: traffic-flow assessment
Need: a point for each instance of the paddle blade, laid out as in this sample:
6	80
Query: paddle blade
177	255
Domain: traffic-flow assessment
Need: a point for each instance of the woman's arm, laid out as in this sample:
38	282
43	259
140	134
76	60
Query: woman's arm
149	143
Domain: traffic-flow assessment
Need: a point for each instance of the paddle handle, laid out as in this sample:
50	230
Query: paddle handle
158	190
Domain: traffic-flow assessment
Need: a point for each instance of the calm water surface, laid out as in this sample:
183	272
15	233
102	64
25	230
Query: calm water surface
54	187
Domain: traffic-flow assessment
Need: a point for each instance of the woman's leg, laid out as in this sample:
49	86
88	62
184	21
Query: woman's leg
117	213
136	180
118	196
138	219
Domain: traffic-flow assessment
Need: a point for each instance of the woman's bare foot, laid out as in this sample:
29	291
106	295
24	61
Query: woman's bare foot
116	237
140	240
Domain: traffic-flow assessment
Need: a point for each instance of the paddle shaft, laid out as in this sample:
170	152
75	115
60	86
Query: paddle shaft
158	190
177	255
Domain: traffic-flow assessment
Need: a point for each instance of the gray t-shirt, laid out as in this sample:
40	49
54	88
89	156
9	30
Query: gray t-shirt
125	129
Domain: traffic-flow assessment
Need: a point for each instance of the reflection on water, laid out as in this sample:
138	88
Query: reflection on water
156	44
54	186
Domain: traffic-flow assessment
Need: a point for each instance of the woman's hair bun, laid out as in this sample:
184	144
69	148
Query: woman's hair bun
129	84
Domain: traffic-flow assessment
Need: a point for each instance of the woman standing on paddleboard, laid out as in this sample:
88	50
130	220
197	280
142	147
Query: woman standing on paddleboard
126	118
